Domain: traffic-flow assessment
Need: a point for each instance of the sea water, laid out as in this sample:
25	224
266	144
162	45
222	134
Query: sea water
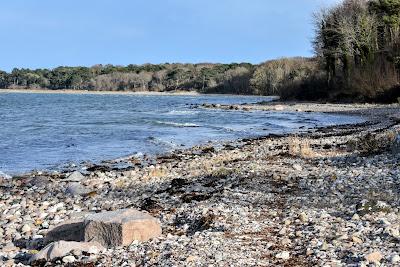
46	131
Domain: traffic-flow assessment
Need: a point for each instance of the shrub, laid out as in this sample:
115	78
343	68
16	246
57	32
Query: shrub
300	147
372	143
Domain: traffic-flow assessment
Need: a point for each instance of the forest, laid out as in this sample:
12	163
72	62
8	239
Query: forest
241	78
357	58
357	44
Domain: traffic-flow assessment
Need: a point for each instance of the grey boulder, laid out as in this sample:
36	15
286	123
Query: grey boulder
76	189
110	229
62	248
75	177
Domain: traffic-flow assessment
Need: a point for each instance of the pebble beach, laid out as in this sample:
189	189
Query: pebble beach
325	197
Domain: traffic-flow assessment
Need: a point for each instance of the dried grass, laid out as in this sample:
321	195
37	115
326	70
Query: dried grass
157	173
300	147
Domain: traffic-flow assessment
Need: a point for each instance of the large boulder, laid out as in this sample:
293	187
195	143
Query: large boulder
110	229
121	227
62	248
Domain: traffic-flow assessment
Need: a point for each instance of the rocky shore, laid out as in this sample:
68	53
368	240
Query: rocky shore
326	197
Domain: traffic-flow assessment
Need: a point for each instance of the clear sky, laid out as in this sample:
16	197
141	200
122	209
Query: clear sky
50	33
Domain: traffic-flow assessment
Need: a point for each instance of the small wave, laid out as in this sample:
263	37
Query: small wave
165	143
229	129
224	128
4	175
181	112
178	124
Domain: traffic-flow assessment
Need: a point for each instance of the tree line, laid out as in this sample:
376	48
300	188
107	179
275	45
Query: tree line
231	78
244	78
357	55
358	45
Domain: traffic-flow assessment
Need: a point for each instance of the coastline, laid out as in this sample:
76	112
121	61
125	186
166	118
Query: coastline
365	109
70	91
292	200
99	92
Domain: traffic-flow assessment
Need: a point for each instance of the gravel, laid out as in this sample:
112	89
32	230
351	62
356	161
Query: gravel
252	202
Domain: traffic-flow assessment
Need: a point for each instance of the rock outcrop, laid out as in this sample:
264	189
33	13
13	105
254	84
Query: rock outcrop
110	229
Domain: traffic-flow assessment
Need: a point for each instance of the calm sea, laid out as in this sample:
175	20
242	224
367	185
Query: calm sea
48	131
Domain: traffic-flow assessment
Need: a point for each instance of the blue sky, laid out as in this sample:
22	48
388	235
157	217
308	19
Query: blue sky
50	33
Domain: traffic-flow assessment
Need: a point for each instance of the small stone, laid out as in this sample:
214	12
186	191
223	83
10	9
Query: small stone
282	231
394	231
45	224
324	246
297	167
395	258
76	189
384	222
303	217
284	255
286	241
61	249
219	257
40	181
374	257
68	259
56	207
355	217
357	240
43	215
93	250
9	247
192	259
75	177
26	228
9	263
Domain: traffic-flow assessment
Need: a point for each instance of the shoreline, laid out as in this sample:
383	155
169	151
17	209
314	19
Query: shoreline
369	112
100	92
289	200
348	109
70	91
365	109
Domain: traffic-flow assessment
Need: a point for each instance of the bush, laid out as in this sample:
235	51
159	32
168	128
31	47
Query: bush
372	143
271	77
